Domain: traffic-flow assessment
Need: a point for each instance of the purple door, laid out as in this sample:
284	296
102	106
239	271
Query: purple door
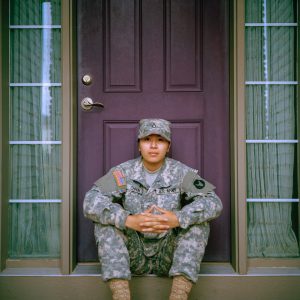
153	58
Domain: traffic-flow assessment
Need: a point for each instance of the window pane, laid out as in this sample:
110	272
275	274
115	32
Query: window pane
254	11
270	53
35	171
34	230
35	128
270	232
35	113
281	11
277	11
270	170
35	55
35	12
271	117
271	112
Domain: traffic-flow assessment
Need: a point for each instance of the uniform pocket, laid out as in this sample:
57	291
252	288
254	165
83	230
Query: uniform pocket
168	198
133	200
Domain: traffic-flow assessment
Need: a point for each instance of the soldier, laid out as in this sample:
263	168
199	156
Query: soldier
151	216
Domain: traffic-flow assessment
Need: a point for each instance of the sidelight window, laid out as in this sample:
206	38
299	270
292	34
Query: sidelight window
272	137
35	129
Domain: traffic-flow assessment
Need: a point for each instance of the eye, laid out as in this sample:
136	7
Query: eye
162	140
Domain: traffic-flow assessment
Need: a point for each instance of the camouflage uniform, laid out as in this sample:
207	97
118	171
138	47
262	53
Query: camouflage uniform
124	191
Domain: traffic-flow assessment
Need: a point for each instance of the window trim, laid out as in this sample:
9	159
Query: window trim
69	135
4	88
298	110
274	262
237	142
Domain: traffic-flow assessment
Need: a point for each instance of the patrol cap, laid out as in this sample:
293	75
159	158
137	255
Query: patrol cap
155	126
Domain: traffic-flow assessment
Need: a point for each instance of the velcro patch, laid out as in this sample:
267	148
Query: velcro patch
120	178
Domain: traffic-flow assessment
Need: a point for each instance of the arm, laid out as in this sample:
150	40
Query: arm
98	203
99	208
202	204
202	209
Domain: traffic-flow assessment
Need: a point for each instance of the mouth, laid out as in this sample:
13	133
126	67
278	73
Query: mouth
153	153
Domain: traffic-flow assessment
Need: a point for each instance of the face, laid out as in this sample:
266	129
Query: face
153	149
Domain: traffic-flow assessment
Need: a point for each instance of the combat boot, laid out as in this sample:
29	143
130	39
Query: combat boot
119	288
181	288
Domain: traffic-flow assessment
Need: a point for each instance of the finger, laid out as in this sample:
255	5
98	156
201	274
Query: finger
160	209
157	218
152	218
149	224
147	217
161	227
150	209
146	214
161	218
154	230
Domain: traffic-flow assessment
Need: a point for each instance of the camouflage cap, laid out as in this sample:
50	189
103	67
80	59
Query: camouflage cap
155	126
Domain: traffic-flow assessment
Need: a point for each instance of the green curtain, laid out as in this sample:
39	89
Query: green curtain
30	12
271	110
35	114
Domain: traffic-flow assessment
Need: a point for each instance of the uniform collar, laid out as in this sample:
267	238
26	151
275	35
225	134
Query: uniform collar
163	178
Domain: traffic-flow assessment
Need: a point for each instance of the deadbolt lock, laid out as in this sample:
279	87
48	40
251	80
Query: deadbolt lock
87	79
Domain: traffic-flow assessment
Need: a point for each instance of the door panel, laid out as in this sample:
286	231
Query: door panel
122	46
153	58
183	64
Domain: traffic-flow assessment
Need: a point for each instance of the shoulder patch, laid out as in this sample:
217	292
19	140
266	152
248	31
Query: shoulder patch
199	184
193	183
119	178
111	182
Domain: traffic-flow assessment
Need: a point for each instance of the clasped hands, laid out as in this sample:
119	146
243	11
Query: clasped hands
147	221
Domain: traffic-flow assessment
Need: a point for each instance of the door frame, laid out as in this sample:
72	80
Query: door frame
68	262
237	137
69	136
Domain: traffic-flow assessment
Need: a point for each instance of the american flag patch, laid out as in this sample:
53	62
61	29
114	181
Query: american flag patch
120	178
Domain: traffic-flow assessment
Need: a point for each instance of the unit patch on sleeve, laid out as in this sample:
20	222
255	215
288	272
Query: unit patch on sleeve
199	184
120	178
193	183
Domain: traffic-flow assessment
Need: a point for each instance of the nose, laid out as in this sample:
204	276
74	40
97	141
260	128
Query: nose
153	144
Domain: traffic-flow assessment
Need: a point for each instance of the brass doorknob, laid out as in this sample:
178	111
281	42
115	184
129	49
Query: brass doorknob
87	104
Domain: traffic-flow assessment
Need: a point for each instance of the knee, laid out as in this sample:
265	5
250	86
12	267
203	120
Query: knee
196	236
201	230
108	233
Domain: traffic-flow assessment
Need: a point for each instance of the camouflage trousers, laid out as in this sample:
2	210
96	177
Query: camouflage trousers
122	253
